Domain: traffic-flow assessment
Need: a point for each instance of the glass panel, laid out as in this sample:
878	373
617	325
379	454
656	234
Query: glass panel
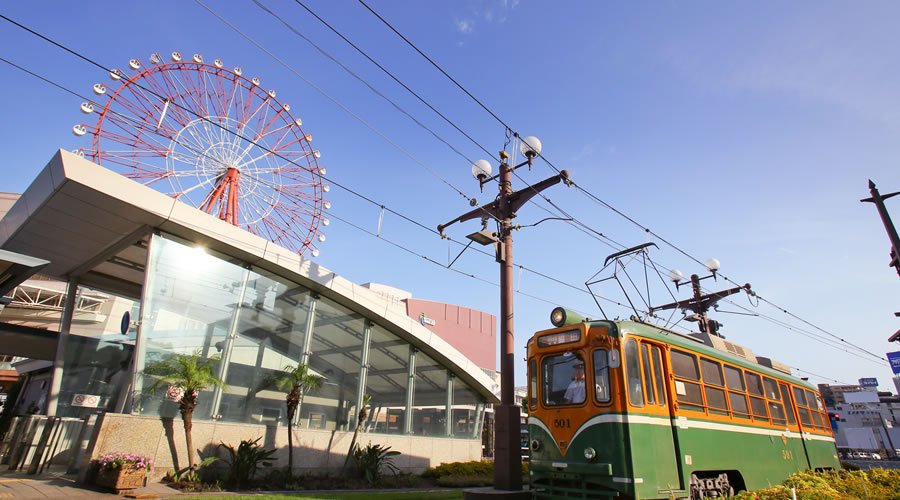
735	378
689	394
532	386
754	384
648	375
800	397
787	401
777	412
811	400
739	404
430	399
684	365
563	379
758	406
465	410
657	375
804	416
97	357
191	301
772	389
816	418
601	375
271	326
715	398
386	382
335	351
633	372
712	372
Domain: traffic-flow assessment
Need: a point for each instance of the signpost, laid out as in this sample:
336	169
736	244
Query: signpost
894	359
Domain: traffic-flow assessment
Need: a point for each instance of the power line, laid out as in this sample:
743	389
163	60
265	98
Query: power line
589	193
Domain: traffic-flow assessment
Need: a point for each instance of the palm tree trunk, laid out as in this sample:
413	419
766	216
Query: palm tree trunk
188	418
290	446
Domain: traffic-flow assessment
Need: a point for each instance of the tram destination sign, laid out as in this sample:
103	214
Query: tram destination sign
894	360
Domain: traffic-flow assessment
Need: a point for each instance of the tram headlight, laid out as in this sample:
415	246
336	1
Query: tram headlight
535	445
589	453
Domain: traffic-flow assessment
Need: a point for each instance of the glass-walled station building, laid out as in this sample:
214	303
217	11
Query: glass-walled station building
179	281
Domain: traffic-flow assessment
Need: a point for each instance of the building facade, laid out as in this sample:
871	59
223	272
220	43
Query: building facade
178	281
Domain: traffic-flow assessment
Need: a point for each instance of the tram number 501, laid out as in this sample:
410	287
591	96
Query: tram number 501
561	423
787	454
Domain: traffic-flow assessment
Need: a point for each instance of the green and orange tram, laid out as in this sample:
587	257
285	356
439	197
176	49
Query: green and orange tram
630	410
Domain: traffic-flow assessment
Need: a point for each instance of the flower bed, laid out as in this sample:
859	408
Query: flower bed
123	471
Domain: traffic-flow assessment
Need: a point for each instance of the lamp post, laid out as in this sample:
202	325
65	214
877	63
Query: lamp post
507	455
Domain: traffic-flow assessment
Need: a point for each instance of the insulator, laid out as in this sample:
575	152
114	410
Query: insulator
308	137
322	237
327	205
255	80
322	171
326	188
116	74
155	58
78	152
272	93
134	64
238	71
318	154
325	222
87	108
298	122
176	56
79	130
198	58
99	89
287	107
217	63
315	252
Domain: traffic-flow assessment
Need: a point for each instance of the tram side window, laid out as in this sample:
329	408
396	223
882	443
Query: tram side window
648	375
687	392
817	417
776	409
757	397
658	377
712	384
786	396
800	399
562	379
633	372
532	383
601	375
736	392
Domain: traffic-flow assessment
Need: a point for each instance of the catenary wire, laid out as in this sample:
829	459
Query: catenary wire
592	196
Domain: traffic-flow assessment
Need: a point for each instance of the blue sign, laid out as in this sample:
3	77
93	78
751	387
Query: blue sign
894	359
868	382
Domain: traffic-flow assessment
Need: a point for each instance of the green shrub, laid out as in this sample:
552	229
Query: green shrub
245	460
876	484
474	468
372	459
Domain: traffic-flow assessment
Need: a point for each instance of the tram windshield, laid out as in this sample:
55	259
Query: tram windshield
563	379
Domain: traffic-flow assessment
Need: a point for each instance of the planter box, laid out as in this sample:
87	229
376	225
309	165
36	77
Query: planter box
120	479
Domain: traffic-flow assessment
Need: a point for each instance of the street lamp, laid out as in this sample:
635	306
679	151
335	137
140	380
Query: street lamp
508	455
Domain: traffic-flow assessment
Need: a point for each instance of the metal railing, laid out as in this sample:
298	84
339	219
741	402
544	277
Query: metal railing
36	443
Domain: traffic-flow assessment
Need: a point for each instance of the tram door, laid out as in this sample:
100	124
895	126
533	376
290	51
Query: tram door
648	394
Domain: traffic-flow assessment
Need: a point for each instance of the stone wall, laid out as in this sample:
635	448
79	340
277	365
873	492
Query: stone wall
314	450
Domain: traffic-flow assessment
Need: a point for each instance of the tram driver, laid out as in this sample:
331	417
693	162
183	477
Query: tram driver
575	391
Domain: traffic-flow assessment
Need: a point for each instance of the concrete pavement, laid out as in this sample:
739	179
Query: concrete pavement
21	486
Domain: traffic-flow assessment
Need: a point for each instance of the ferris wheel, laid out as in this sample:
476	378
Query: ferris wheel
214	139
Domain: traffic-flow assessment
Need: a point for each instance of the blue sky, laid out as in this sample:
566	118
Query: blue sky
743	131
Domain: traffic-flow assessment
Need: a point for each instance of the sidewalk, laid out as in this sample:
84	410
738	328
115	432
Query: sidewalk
21	486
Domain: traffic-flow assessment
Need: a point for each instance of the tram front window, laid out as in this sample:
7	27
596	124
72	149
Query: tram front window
563	379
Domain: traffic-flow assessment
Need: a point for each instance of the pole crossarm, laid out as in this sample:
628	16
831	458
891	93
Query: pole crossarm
514	202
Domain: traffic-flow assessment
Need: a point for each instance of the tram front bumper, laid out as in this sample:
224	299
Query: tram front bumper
562	469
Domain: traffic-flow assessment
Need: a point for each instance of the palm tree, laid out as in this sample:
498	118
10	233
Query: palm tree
192	375
295	382
361	417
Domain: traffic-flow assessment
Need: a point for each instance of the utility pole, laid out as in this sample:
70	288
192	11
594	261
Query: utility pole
700	304
878	199
508	455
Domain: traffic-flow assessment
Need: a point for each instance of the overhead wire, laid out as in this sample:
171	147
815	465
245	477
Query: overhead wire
591	195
